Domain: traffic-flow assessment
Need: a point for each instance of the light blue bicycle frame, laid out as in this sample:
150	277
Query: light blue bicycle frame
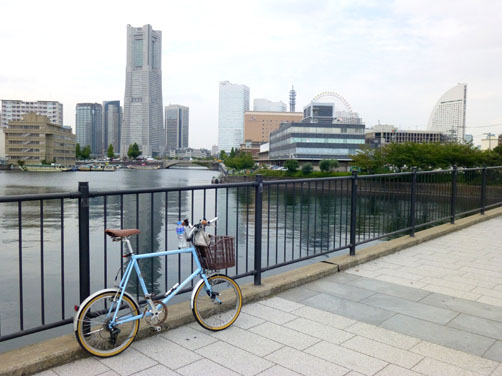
133	264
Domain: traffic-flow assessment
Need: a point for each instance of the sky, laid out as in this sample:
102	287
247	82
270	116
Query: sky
391	60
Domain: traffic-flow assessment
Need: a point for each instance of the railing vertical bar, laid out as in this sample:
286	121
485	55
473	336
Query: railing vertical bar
285	218
42	293
247	228
353	208
137	242
166	231
321	214
193	220
328	204
268	225
152	197
334	214
226	211
216	210
20	236
314	230
121	243
413	201
347	223
293	224
237	232
341	213
204	203
309	194
301	221
105	254
277	223
83	237
483	190
453	194
62	260
179	219
258	229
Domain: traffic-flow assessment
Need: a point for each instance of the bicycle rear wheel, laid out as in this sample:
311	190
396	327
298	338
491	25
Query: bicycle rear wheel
93	332
217	310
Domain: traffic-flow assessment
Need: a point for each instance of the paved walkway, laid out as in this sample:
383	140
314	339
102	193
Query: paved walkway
433	309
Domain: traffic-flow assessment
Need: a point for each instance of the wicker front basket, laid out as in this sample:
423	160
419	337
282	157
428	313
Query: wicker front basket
219	255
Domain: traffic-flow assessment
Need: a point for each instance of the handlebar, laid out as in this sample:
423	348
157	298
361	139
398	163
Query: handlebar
202	223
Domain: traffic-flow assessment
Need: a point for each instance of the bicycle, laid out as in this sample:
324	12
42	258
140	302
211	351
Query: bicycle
107	322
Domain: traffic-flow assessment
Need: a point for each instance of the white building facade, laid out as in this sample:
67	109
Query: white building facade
143	123
13	110
266	105
177	120
448	115
233	102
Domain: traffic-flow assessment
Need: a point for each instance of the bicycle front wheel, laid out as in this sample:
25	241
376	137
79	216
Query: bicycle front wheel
220	308
93	331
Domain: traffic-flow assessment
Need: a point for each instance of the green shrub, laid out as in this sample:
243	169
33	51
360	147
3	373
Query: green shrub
292	165
307	168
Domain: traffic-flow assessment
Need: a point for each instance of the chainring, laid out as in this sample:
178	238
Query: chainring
159	317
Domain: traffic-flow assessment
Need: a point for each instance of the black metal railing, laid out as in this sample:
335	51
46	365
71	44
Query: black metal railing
56	253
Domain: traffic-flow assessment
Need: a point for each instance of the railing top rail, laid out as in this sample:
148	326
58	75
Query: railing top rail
37	197
171	189
391	175
493	167
291	181
433	172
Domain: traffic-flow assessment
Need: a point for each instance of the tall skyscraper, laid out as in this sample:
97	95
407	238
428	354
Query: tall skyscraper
13	110
233	102
265	105
112	125
143	92
176	126
89	125
448	115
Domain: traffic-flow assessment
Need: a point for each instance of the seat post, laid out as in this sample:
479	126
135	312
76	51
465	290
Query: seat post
128	243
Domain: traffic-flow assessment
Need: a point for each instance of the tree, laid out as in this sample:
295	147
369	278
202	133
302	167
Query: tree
133	151
77	151
110	153
327	165
232	153
307	168
292	165
86	152
223	155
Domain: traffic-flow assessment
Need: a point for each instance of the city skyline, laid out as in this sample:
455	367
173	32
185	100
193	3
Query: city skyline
392	60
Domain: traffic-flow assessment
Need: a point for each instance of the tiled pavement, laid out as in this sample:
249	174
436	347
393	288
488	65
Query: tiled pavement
433	309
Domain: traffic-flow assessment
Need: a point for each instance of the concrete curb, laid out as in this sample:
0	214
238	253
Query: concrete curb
64	349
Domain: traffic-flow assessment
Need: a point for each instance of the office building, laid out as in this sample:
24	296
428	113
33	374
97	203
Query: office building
35	139
177	120
233	103
13	110
214	150
500	140
89	127
381	135
264	105
112	125
489	142
258	125
319	136
448	115
143	106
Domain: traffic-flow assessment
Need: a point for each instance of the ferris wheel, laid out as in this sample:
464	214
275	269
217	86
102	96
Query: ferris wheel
333	94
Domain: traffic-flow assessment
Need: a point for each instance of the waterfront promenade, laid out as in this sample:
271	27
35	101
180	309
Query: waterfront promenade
431	309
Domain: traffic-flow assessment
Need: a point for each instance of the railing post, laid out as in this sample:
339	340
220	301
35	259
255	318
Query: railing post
257	228
83	241
413	201
483	191
453	198
353	203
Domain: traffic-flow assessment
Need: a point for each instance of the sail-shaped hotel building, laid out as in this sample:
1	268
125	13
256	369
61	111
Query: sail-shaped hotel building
448	115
